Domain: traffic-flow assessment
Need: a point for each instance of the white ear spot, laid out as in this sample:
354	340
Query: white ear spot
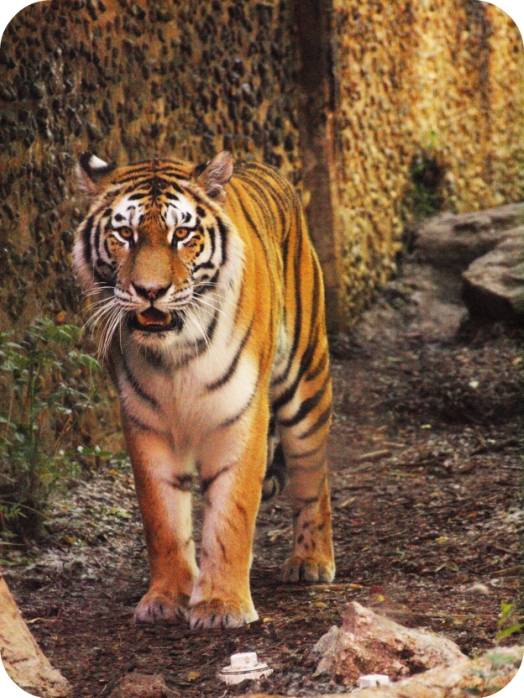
96	163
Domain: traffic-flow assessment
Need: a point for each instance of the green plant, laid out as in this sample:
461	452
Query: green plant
425	194
47	386
507	610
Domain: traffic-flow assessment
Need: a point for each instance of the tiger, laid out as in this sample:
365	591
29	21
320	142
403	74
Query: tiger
211	299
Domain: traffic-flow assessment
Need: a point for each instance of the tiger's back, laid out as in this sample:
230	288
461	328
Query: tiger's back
217	295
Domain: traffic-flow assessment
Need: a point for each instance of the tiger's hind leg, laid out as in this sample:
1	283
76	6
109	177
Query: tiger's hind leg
276	476
304	437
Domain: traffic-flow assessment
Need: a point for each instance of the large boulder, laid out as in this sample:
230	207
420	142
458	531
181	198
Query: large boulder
484	252
494	283
369	643
23	659
453	242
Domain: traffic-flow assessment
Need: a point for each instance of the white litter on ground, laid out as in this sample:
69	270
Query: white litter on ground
244	665
372	680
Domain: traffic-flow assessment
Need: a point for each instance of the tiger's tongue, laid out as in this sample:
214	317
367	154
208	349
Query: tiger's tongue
153	316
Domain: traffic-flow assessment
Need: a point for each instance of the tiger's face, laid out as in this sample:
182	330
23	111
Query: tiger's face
157	245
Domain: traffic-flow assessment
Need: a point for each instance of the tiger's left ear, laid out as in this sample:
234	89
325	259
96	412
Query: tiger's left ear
90	171
215	176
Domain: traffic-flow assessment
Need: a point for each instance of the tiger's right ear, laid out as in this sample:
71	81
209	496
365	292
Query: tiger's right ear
90	172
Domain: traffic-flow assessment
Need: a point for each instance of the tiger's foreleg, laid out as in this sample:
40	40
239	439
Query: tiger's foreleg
312	559
163	490
231	470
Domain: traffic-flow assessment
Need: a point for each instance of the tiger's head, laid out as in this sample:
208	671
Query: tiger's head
157	246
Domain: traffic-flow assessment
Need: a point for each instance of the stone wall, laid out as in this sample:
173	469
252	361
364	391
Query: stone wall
429	114
127	80
378	111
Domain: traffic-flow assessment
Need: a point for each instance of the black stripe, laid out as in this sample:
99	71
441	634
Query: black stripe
232	368
244	409
201	344
324	417
182	482
223	239
222	548
319	367
251	223
96	242
298	313
264	188
206	482
212	236
305	364
152	357
86	238
141	425
307	356
305	454
132	380
307	406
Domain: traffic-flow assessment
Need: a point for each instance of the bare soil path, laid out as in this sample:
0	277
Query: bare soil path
426	474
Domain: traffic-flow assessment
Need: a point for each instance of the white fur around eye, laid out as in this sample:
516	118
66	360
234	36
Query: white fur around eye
184	241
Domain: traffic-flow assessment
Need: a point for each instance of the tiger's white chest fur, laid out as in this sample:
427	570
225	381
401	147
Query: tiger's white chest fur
187	399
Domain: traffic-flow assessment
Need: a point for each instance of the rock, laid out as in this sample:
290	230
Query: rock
453	242
478	588
369	643
483	676
23	659
494	284
136	685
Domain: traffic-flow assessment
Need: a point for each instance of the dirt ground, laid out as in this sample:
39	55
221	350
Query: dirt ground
426	479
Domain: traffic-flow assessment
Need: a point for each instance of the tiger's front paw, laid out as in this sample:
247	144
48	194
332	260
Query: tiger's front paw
161	606
308	569
218	613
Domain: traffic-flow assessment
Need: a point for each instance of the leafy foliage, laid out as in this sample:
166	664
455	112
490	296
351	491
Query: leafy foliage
426	195
506	626
47	386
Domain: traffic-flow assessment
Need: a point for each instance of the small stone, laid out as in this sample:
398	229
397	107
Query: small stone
136	685
478	588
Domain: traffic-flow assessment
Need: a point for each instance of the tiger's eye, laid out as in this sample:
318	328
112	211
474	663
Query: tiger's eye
181	233
126	233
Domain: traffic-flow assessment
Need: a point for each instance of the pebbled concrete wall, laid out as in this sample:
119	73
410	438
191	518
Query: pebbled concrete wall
429	112
127	80
367	105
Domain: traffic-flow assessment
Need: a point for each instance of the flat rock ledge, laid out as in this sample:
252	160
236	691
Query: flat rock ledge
368	643
455	241
22	658
485	249
483	676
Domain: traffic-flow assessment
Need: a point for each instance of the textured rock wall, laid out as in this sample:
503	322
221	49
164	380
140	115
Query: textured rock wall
127	79
429	113
369	108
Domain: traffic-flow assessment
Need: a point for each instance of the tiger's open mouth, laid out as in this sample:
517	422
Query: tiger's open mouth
154	320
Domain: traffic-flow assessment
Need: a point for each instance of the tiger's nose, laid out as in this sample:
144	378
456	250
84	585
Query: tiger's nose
153	293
